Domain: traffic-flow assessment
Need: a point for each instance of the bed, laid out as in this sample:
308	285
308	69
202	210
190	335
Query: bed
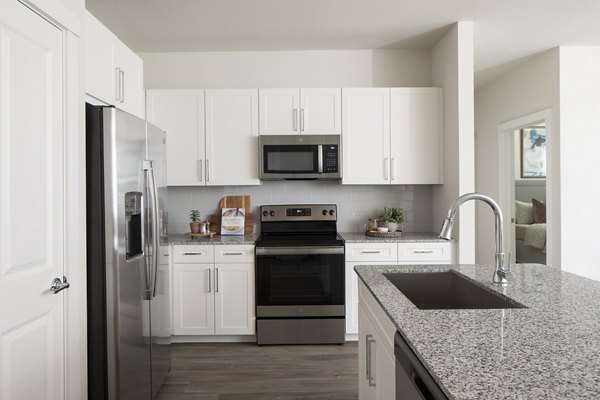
530	221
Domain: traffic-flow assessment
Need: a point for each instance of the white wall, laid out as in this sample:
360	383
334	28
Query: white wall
319	68
355	203
452	69
529	88
579	160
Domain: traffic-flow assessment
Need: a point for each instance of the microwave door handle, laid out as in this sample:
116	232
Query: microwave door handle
320	158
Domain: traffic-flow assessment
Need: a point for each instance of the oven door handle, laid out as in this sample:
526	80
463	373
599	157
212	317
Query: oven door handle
284	251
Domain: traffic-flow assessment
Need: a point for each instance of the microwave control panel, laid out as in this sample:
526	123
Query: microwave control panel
330	158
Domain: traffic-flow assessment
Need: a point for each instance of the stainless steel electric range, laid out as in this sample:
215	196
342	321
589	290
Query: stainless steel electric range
300	282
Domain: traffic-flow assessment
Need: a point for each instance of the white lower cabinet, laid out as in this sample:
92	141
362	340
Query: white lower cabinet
376	362
209	298
386	254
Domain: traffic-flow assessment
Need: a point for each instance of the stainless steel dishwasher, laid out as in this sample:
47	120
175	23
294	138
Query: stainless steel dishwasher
413	382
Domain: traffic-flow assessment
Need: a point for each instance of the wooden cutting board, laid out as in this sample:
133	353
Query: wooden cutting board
234	202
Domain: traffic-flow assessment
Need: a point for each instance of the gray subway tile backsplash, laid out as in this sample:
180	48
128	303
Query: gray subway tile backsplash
356	203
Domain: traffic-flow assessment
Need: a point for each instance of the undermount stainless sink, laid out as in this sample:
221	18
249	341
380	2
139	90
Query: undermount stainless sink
447	290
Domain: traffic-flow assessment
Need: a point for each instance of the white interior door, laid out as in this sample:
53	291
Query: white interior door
31	205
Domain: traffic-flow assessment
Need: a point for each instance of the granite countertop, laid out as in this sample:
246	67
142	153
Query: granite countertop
407	237
549	350
217	239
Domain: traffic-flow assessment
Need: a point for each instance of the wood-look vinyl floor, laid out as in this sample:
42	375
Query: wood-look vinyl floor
244	371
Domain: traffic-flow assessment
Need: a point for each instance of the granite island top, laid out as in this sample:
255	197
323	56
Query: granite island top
550	350
217	239
407	237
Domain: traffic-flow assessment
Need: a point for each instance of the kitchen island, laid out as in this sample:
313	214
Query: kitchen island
551	349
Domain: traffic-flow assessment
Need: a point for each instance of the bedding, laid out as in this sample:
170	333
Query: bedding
535	236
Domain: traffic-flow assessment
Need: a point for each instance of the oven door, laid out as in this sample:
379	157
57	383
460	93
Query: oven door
300	281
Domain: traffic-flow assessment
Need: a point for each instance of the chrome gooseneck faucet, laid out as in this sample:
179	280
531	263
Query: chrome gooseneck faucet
502	266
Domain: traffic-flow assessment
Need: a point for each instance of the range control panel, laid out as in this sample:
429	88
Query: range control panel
312	212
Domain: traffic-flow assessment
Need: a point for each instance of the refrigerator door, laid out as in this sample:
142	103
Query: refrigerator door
127	277
160	304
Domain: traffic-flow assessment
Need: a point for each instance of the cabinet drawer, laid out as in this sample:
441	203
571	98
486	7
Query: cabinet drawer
424	253
371	252
163	255
193	254
234	254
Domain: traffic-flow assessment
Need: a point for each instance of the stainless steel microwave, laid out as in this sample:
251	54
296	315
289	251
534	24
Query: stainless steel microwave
300	157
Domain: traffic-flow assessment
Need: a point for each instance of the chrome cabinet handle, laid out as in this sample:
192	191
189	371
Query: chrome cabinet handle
302	120
200	253
209	281
165	254
58	285
216	280
295	119
207	171
386	167
233	254
200	170
368	339
371	376
118	84
423	251
122	86
393	168
370	251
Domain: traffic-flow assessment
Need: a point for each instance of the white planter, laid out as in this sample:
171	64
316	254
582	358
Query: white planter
392	226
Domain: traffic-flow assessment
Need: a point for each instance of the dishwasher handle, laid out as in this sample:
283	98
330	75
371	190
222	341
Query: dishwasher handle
423	382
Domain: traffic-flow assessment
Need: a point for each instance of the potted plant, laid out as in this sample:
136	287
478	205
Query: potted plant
195	221
391	217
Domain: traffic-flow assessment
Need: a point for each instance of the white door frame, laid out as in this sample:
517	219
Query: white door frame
506	176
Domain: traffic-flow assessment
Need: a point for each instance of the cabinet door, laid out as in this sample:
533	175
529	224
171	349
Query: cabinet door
321	111
352	294
131	85
232	137
181	114
366	137
415	136
367	389
279	111
385	368
234	299
98	43
194	301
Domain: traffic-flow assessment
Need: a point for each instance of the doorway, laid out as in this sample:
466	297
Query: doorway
529	180
525	180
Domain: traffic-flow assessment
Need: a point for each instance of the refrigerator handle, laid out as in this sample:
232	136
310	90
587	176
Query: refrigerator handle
152	229
155	231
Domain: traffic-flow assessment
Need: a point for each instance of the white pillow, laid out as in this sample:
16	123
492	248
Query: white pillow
524	212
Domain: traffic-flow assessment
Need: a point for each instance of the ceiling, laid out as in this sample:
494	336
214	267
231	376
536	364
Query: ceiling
506	31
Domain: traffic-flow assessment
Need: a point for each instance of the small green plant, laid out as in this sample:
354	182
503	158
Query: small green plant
195	216
391	214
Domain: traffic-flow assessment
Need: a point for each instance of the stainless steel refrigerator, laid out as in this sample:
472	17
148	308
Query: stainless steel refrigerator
128	296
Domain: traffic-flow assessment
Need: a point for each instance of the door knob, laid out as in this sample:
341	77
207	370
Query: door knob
58	286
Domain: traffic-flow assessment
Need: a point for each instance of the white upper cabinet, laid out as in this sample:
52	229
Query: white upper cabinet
320	111
212	135
415	136
232	137
366	137
113	73
181	114
391	136
300	111
279	111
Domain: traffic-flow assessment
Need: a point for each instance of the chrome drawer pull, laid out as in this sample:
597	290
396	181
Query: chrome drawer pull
234	254
194	254
423	251
370	251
